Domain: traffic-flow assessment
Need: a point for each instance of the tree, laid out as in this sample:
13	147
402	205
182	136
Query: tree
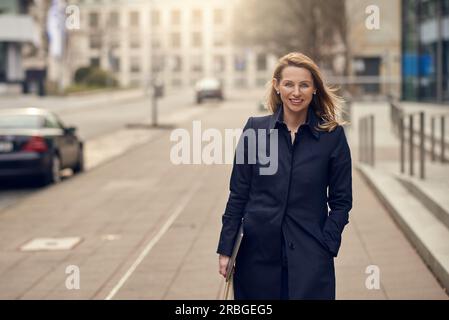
314	27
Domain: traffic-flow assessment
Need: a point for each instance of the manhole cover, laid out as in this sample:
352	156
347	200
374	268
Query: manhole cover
39	244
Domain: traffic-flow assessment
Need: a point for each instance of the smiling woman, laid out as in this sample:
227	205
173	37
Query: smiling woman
289	237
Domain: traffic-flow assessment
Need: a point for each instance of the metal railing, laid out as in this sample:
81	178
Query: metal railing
366	140
404	127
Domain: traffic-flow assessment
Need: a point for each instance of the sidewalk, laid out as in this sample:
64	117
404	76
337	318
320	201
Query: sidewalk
149	230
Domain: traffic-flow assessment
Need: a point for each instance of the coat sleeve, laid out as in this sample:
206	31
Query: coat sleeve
339	193
238	197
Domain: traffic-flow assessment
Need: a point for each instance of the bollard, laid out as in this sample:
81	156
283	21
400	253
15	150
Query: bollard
371	142
402	142
443	144
410	140
421	146
432	138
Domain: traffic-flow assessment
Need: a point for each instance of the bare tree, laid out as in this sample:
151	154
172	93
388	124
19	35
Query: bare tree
313	27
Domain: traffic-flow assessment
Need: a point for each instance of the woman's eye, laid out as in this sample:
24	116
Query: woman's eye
304	86
288	84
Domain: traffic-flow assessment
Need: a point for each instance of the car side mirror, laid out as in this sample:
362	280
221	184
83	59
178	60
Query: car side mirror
70	130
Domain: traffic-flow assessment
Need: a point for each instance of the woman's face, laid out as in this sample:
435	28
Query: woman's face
296	88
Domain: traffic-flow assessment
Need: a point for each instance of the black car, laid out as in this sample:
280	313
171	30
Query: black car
34	142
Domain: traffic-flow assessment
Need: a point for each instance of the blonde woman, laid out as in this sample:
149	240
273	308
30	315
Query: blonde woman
290	237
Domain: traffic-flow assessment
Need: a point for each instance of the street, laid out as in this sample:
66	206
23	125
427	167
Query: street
148	229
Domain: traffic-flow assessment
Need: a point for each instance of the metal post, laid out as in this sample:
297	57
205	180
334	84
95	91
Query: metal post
371	143
432	138
362	140
443	144
410	140
402	142
422	151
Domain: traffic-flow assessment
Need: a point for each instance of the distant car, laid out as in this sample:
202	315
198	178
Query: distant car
208	88
34	142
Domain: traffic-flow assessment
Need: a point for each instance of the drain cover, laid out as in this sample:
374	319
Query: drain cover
39	244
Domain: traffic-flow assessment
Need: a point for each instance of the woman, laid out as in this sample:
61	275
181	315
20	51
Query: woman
290	237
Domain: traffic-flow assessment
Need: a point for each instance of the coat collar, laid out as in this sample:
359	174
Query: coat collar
312	120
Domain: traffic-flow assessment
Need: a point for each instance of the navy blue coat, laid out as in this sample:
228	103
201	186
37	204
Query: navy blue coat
292	204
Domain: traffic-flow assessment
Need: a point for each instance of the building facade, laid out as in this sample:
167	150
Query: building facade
425	50
374	50
17	29
176	41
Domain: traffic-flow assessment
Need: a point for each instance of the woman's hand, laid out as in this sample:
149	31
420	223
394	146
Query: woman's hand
222	264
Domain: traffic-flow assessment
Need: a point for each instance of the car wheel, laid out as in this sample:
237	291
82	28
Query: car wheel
79	166
199	100
53	174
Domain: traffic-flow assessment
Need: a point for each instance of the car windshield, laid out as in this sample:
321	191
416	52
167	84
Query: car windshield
209	84
21	121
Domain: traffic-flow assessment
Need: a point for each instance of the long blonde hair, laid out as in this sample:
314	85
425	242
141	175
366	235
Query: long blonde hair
326	103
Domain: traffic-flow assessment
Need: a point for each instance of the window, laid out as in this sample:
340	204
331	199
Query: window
197	17
135	64
95	62
93	20
177	64
239	63
261	62
218	16
175	17
95	41
219	39
115	64
134	41
196	39
176	40
155	18
197	64
157	63
134	19
155	42
219	63
114	20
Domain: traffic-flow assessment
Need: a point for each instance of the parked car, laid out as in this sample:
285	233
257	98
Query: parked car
34	142
208	88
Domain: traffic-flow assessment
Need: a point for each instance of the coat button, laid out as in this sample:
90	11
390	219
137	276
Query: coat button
291	245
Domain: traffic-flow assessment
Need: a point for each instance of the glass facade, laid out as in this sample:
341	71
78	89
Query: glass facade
425	55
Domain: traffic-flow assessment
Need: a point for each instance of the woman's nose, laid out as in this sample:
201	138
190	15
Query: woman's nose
297	91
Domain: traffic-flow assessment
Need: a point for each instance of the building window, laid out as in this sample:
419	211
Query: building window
261	62
197	64
197	39
219	39
157	63
219	63
155	18
93	20
135	64
95	41
114	19
177	63
115	64
155	42
134	19
176	82
197	17
95	62
239	63
218	16
176	17
134	41
114	42
176	40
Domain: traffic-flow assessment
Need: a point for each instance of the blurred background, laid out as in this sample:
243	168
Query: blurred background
91	92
